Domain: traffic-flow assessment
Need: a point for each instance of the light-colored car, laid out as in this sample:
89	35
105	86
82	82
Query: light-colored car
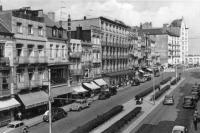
179	129
79	104
16	127
168	100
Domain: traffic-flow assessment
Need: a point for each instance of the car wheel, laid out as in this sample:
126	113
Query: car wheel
25	130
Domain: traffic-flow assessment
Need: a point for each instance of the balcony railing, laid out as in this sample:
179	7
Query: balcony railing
34	83
22	60
42	59
76	72
23	85
4	93
75	54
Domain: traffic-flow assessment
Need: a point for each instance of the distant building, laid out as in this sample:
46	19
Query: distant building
193	59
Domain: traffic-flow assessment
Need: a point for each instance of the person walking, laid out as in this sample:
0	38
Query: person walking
19	115
195	119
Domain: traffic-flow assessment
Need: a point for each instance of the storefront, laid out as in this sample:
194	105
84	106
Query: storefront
79	92
92	87
102	83
34	103
7	107
62	95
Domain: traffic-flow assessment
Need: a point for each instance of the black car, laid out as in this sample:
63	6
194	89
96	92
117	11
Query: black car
57	113
189	102
135	82
195	95
113	90
104	95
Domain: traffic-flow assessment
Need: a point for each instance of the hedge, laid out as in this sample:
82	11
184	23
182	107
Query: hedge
114	128
162	91
165	80
100	119
146	92
176	80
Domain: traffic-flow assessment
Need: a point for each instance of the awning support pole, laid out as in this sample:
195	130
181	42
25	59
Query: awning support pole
50	121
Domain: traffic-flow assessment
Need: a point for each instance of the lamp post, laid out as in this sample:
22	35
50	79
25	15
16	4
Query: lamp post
50	99
153	90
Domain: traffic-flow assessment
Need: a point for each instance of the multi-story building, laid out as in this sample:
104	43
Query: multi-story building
193	60
30	73
8	103
180	26
165	47
57	59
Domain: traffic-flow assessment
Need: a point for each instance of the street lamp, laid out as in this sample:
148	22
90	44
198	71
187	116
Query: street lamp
153	89
50	99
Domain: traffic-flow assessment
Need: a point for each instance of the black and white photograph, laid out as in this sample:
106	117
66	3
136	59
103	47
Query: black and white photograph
99	66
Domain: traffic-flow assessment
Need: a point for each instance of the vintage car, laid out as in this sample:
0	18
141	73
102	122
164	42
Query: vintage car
57	113
189	102
79	104
168	100
16	127
179	129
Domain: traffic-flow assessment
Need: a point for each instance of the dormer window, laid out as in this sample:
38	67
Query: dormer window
60	33
54	32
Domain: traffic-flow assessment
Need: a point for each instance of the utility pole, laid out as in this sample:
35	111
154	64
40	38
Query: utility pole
50	121
153	89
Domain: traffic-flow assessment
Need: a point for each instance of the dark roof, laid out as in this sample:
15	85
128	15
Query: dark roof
173	31
114	22
49	22
176	23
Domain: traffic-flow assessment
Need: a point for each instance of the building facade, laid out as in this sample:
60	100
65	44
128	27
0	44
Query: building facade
193	60
29	70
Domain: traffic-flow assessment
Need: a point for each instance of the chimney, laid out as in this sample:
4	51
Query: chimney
1	8
84	17
51	15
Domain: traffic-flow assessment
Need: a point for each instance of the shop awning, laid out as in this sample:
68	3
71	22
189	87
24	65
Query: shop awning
79	89
100	82
34	99
8	104
141	71
149	69
60	90
91	85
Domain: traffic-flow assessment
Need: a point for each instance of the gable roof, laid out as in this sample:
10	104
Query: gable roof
4	29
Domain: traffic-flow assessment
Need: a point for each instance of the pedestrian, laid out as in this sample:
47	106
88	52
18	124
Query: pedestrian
195	121
19	115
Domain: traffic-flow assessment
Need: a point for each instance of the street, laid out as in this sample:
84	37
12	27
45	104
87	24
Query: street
75	119
165	117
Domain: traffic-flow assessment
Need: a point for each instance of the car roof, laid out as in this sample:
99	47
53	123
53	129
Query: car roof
179	128
168	96
15	122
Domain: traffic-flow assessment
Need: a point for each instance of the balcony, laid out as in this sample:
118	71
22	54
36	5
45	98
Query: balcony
42	59
23	85
4	63
75	54
86	43
22	60
33	59
96	61
34	83
5	93
76	72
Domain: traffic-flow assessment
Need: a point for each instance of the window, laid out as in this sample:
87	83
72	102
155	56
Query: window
57	50
51	50
60	33
40	50
19	27
1	51
40	31
63	53
30	29
54	32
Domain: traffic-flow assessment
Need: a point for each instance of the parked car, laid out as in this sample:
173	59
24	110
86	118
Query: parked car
168	100
104	95
142	80
179	129
189	102
147	77
57	113
16	127
113	90
195	95
135	82
79	104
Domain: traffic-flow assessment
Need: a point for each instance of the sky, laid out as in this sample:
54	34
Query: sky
131	12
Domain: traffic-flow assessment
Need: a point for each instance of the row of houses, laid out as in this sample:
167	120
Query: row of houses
35	50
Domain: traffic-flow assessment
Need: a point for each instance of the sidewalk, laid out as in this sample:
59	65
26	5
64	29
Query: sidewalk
147	107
